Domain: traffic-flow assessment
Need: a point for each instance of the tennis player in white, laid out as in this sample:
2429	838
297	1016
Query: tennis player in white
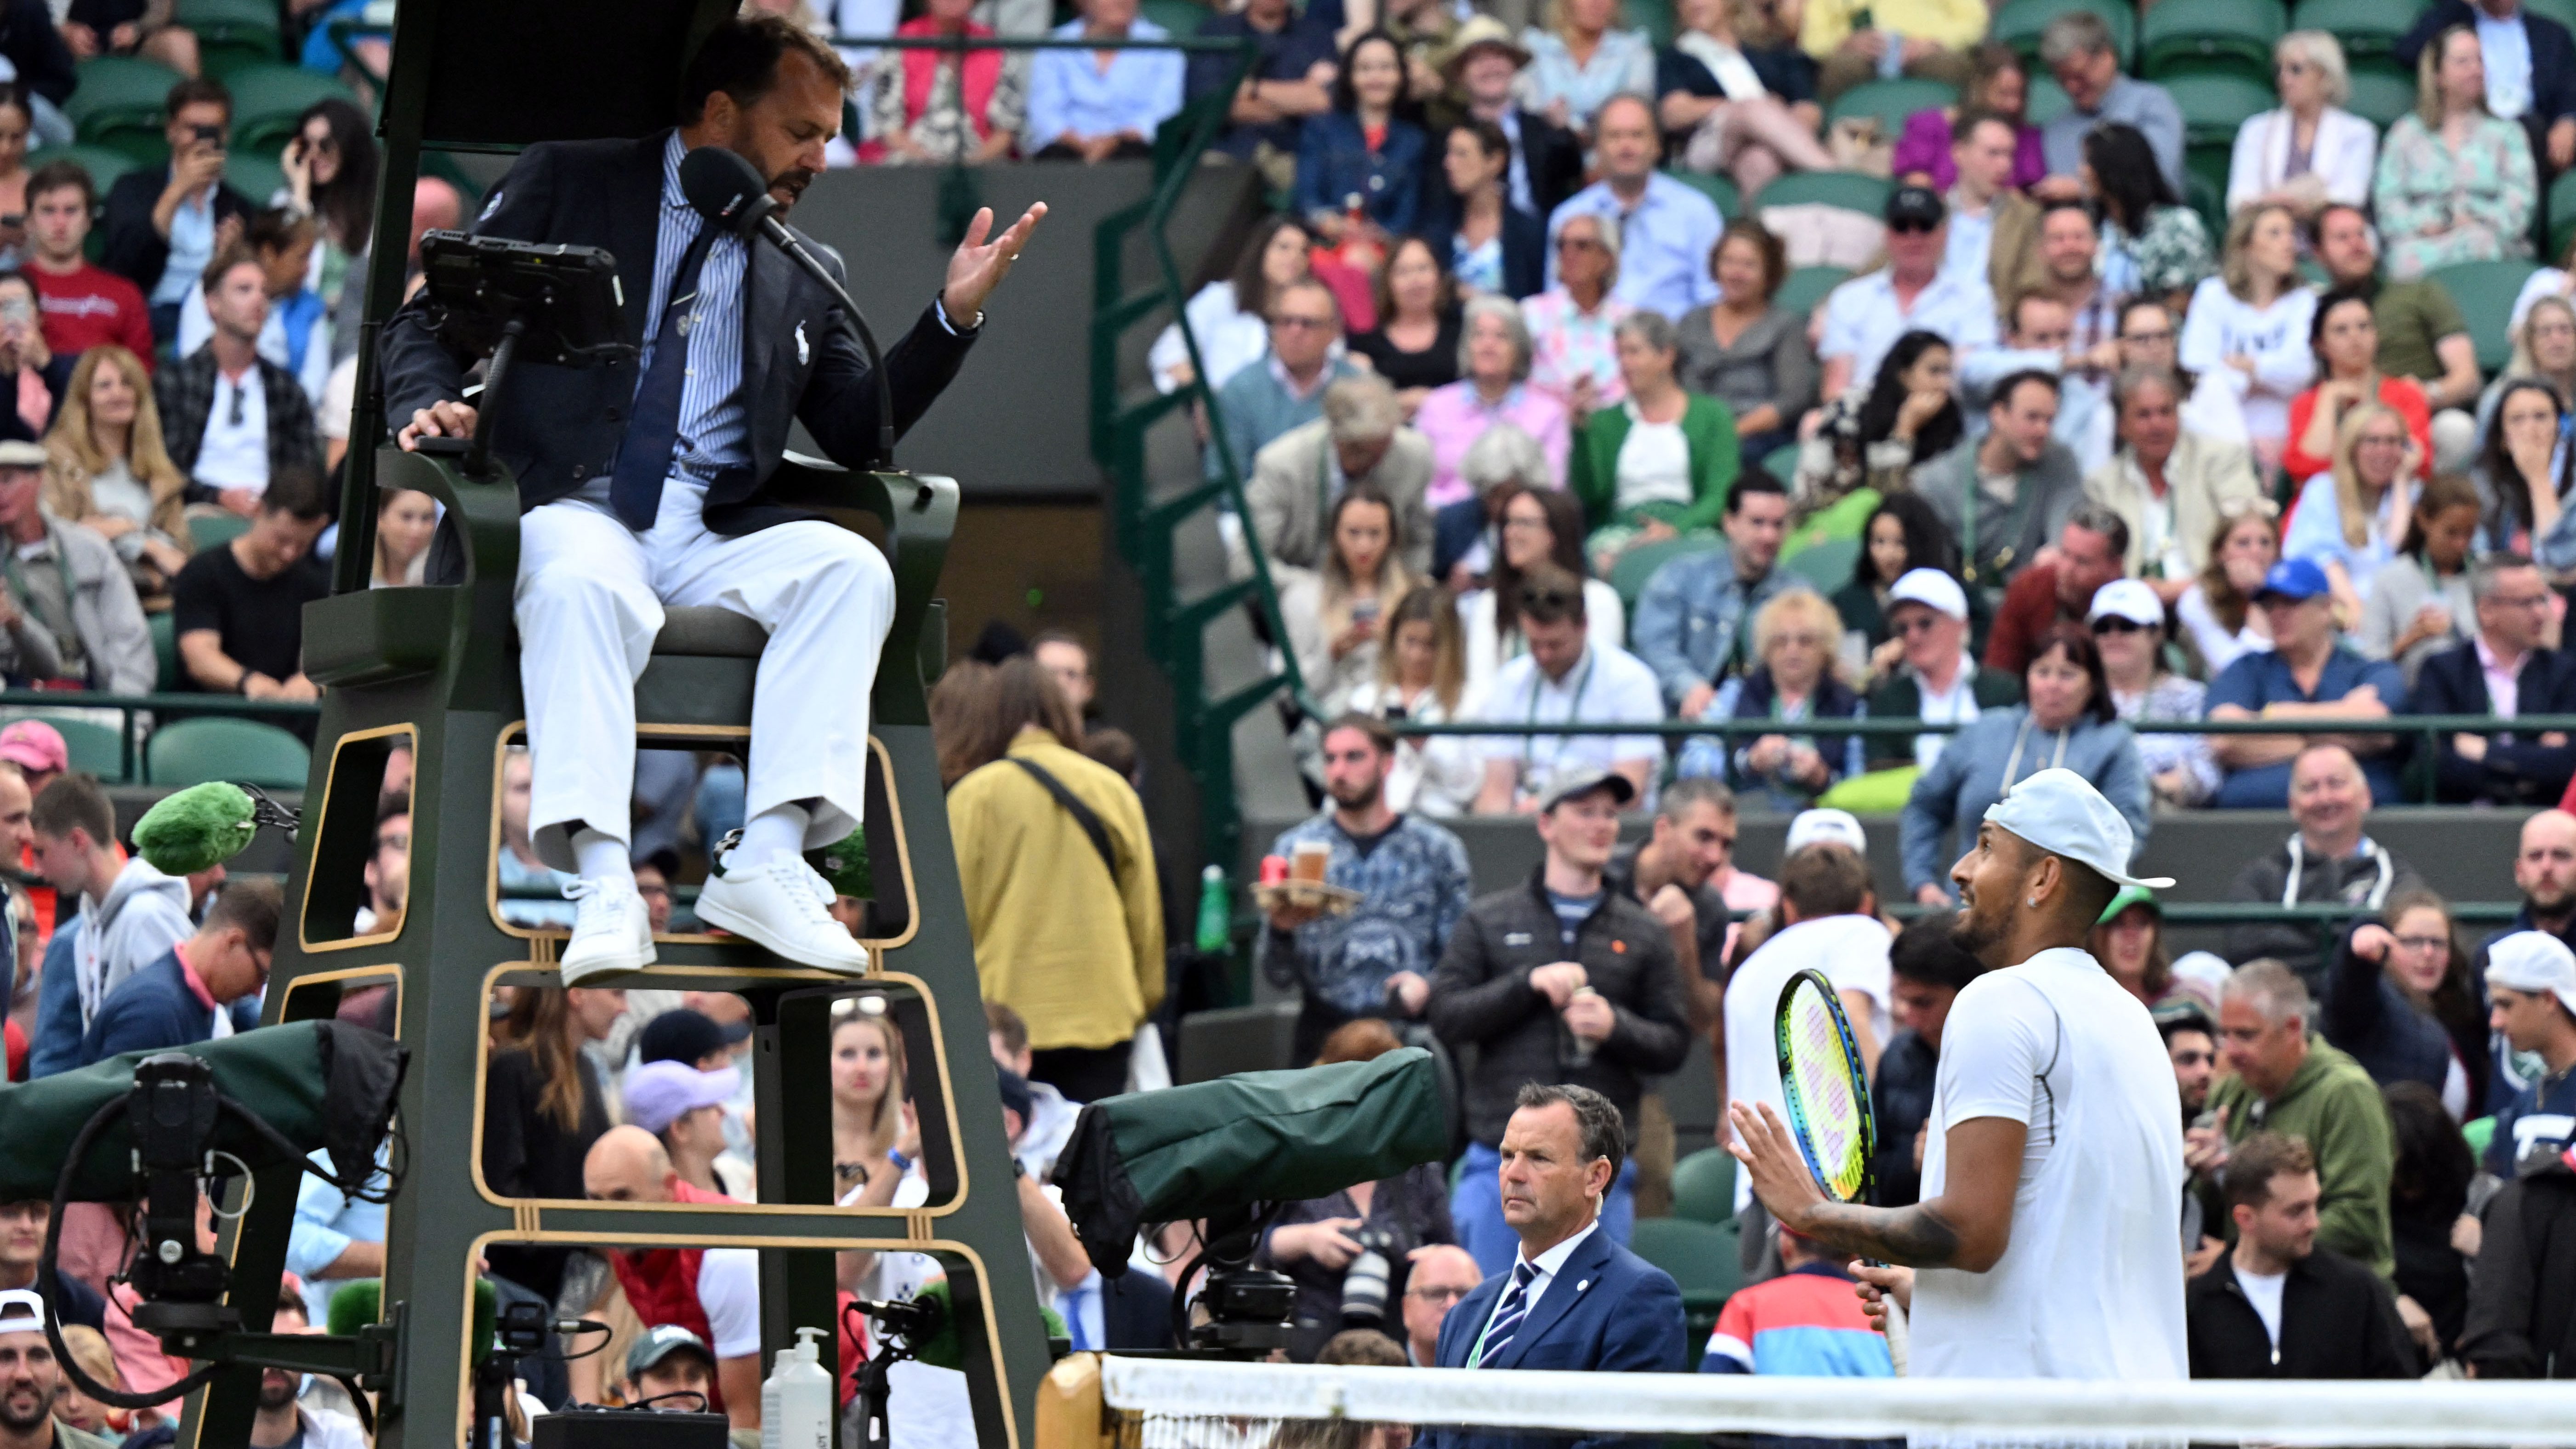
2044	1243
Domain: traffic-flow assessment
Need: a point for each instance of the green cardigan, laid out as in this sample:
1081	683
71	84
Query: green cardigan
1592	469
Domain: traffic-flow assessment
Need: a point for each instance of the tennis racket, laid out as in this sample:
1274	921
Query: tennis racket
1827	1092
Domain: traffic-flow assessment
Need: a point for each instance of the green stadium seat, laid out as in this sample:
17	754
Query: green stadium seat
1637	566
2203	37
211	527
165	650
94	748
118	105
2561	211
103	163
2368	30
1826	563
1702	1259
1806	289
2485	292
2215	104
1891	101
1851	190
245	751
2018	23
255	174
2047	101
1181	17
1655	17
1782	463
267	100
232	35
2380	98
1704	1186
1720	190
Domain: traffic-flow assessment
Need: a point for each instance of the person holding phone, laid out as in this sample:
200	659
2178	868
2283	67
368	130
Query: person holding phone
1332	612
165	223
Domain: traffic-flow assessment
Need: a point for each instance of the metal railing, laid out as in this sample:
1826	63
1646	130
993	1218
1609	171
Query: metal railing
1147	526
2429	727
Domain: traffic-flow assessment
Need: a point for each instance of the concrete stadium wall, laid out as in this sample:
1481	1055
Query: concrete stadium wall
1017	420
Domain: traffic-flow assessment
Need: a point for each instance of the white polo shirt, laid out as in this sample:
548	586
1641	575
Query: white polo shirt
1863	320
1605	686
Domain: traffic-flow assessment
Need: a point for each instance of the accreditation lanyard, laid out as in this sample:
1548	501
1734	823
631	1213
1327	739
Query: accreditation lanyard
1573	710
2012	762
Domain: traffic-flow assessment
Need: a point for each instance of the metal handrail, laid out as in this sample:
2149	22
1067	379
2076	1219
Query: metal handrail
1146	526
2394	724
2430	727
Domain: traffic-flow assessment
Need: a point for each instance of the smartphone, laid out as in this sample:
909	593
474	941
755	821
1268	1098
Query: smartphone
1364	611
18	312
209	135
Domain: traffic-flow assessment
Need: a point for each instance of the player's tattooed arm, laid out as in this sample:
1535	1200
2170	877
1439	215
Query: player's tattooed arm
1968	1224
1914	1237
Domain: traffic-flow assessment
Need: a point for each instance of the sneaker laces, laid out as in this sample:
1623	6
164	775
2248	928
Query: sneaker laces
798	881
810	880
597	903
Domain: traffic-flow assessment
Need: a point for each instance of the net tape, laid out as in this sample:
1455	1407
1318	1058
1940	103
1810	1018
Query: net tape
2270	1411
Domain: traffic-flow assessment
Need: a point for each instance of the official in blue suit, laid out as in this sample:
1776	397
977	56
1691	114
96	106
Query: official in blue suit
1573	1299
1361	147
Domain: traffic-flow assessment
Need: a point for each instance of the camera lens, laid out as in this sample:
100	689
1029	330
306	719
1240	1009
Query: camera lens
1364	1289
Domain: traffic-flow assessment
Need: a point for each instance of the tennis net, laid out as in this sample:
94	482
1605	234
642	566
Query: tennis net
1178	1404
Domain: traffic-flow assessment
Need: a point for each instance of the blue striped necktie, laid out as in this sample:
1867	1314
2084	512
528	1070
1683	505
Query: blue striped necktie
1507	1315
653	428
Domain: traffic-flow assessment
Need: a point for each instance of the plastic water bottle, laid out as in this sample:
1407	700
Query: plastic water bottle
1216	910
796	1403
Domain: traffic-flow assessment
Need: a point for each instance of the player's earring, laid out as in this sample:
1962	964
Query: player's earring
2032	903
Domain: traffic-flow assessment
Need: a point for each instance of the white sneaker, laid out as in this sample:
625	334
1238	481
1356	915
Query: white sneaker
781	906
611	930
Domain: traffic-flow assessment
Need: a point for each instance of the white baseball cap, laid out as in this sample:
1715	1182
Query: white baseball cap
22	1310
1933	589
1822	827
2534	961
2128	599
2060	812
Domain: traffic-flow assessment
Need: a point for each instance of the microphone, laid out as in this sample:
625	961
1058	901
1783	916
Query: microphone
926	1321
729	192
361	1301
198	828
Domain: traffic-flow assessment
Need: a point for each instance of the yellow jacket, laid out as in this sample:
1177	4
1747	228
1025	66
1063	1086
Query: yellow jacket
1078	956
1956	24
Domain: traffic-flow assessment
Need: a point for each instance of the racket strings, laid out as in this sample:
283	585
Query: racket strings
1824	1106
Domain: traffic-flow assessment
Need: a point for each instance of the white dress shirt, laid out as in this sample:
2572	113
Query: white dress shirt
1548	1264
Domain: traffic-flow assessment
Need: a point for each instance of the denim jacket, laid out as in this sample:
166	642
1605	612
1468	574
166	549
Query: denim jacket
1688	622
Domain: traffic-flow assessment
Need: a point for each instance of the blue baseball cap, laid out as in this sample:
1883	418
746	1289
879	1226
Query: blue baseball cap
2294	578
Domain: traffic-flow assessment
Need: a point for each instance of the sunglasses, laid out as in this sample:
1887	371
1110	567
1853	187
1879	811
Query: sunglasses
1914	624
2115	625
1912	226
1548	599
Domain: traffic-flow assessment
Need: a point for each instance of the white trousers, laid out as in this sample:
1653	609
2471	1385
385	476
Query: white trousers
589	603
